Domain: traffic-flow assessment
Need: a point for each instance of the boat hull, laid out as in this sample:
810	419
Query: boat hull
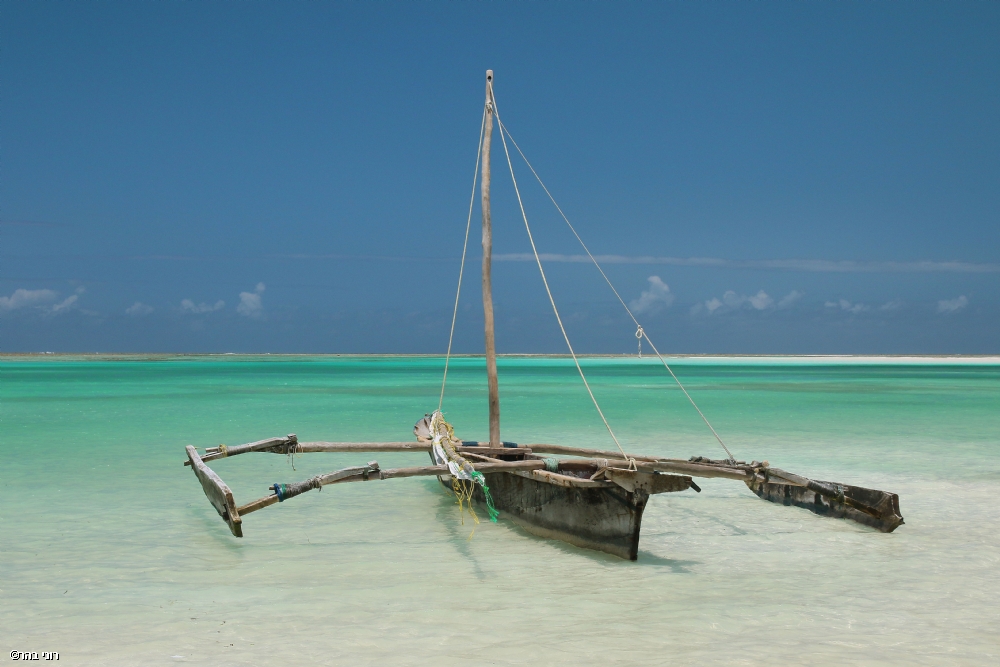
604	519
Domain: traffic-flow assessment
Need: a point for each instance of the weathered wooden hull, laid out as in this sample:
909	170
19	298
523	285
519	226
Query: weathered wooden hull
884	506
605	519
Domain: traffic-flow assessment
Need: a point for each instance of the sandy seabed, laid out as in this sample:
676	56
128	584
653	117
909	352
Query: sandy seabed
111	555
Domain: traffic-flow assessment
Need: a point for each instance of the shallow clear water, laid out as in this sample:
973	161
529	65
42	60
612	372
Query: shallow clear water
111	555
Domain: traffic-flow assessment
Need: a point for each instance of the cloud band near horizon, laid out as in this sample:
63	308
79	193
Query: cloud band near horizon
803	265
810	265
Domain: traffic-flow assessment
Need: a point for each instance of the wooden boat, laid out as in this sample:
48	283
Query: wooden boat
587	497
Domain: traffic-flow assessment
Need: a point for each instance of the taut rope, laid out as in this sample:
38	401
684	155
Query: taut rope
549	291
640	332
461	268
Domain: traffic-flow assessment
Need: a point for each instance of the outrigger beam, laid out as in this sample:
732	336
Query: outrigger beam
290	445
871	507
282	492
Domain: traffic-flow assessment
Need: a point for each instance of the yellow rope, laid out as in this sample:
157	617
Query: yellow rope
443	434
463	492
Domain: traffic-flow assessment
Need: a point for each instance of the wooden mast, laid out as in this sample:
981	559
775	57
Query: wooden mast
491	351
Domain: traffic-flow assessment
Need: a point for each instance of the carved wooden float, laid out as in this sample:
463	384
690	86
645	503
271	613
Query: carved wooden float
870	507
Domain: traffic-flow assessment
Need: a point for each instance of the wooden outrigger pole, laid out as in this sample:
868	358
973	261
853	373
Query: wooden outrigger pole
593	499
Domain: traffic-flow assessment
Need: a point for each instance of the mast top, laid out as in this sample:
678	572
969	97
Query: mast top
489	75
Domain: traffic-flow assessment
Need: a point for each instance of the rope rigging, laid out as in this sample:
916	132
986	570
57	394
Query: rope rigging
461	269
548	291
640	332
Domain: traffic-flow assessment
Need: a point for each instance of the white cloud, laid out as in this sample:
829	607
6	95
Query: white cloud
732	301
790	298
761	300
66	304
895	304
26	297
189	306
138	309
657	296
847	306
251	304
952	305
37	298
811	265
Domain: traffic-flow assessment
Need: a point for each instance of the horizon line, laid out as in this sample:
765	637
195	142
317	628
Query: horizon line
991	359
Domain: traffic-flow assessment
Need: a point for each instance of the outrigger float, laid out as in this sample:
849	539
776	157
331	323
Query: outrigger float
587	497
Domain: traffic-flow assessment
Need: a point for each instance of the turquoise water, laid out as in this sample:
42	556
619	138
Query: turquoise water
111	555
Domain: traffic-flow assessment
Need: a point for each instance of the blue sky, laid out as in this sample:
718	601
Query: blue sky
279	177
